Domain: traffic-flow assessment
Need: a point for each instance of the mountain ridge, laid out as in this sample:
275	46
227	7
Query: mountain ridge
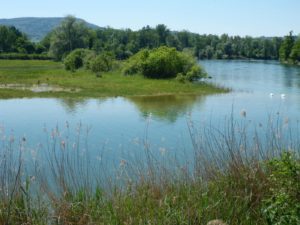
36	28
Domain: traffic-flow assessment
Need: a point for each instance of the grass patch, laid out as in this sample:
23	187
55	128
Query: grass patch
35	72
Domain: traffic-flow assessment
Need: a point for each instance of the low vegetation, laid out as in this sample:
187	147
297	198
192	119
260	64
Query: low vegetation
85	83
164	62
227	179
76	59
24	56
159	63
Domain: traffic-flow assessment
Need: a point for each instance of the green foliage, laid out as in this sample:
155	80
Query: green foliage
164	62
102	63
295	54
290	50
70	35
113	83
195	73
180	77
36	28
286	47
24	56
125	43
76	59
20	206
283	205
12	40
74	33
39	48
134	64
88	58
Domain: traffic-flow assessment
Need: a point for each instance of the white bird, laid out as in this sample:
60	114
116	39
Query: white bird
282	95
271	94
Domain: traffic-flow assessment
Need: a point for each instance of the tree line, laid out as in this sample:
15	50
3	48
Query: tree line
72	34
14	41
290	49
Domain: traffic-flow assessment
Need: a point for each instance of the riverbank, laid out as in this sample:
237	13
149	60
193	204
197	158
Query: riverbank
290	63
237	181
41	78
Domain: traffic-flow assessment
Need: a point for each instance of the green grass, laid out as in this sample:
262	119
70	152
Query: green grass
110	84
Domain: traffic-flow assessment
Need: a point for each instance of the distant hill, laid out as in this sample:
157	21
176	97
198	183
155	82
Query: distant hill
37	27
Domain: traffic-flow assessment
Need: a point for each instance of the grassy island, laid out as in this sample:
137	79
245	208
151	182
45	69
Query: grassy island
17	77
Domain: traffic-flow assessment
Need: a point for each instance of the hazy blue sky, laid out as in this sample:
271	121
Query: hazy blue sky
252	17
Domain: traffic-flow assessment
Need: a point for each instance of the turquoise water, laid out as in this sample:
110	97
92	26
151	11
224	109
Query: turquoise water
118	127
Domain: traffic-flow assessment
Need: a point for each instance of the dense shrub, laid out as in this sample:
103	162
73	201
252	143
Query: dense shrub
194	72
134	64
164	62
283	204
89	60
24	56
102	63
76	59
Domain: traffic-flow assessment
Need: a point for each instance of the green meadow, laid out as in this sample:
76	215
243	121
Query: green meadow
83	83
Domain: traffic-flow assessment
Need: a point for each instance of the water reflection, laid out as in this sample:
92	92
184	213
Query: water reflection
291	76
71	105
167	108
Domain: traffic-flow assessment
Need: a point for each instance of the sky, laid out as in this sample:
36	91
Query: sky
234	17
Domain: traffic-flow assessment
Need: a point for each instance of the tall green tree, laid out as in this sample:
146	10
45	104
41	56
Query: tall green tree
125	43
148	38
163	33
286	47
70	35
12	40
295	54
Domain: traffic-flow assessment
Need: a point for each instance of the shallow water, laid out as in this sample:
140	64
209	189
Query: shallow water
121	126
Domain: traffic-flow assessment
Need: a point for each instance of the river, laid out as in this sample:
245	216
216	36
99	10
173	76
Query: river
118	127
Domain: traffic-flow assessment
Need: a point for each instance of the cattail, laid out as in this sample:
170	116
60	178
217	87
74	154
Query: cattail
216	222
122	163
63	144
243	113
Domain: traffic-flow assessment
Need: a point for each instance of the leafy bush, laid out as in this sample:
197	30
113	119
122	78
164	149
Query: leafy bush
195	73
180	77
102	63
76	59
134	64
283	204
89	60
164	62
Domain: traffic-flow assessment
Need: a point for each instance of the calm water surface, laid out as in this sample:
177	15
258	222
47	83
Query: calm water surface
119	126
